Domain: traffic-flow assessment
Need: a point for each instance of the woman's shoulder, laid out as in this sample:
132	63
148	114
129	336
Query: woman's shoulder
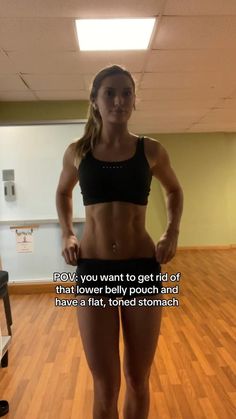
72	155
151	143
152	148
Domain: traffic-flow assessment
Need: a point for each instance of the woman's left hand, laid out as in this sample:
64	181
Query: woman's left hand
166	247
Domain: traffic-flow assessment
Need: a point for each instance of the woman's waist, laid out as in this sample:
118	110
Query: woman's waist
116	246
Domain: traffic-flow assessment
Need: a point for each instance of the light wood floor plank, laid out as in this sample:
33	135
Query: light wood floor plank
194	371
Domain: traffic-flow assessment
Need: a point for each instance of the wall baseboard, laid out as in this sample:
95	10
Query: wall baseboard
33	288
213	247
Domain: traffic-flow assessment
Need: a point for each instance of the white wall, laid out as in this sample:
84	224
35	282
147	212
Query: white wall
35	153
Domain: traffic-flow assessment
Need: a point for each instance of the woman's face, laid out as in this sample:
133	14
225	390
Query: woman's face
115	99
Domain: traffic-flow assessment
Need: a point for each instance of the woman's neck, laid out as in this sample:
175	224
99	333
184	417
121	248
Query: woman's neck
114	134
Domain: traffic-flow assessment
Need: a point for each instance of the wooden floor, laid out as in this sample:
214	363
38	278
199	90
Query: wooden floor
193	375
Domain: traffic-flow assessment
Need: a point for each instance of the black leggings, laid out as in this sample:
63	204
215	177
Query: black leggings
145	279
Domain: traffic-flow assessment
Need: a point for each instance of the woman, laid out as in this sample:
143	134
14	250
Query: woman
114	168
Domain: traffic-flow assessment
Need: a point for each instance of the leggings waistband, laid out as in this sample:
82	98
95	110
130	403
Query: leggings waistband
133	266
118	260
142	261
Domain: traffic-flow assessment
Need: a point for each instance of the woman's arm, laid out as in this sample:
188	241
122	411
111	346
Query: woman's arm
162	170
67	182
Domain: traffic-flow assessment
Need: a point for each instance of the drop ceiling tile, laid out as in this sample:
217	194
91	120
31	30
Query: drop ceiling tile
179	113
167	117
175	104
38	34
17	96
200	7
54	82
133	61
227	104
123	9
191	60
6	66
220	116
74	62
204	80
213	127
231	96
193	93
11	83
79	8
46	63
196	32
62	95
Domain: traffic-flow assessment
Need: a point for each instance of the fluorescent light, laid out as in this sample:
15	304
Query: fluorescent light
114	34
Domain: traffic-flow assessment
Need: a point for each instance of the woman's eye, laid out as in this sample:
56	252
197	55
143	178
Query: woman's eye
109	93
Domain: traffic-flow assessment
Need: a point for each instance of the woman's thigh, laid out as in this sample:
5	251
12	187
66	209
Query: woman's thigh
99	330
141	328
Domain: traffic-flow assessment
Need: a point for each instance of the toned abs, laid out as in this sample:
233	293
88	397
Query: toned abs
115	230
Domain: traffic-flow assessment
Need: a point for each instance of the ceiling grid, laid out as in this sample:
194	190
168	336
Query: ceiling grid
185	80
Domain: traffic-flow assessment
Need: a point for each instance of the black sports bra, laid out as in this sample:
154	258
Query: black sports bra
127	180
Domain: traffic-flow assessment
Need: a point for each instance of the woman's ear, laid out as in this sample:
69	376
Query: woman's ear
134	102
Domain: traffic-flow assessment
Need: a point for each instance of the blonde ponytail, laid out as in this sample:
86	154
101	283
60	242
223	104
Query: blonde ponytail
92	132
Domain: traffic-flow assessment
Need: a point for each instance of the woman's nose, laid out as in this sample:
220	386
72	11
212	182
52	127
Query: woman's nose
118	100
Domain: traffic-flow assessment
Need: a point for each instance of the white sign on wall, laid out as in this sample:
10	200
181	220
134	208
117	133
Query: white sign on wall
24	241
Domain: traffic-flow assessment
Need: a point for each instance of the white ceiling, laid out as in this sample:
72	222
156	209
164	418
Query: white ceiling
186	81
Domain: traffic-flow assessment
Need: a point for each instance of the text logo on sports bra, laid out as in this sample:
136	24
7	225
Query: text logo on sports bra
112	167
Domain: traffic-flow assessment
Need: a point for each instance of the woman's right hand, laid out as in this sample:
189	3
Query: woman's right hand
70	249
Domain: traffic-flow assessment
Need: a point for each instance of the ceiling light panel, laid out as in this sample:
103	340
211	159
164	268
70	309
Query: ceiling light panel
114	34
